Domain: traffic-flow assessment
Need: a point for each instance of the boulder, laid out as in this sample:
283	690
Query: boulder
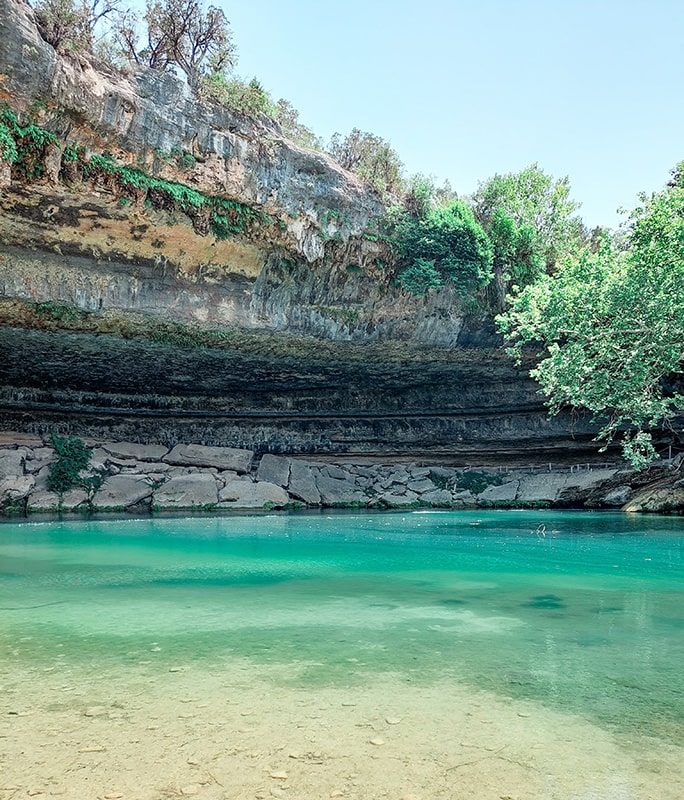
440	497
245	493
422	485
274	469
463	497
587	486
12	462
505	493
397	500
657	499
302	485
122	491
187	491
339	492
42	500
334	471
617	497
544	487
38	458
139	452
195	455
16	487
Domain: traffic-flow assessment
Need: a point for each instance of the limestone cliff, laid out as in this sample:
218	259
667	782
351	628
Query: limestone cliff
312	263
314	349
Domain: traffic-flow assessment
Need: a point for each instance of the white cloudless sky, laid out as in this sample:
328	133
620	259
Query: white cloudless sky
462	90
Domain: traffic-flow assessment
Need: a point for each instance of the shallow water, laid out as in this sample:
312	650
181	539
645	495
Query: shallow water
578	613
587	617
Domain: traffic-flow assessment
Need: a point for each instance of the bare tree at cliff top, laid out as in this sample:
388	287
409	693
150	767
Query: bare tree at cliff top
179	33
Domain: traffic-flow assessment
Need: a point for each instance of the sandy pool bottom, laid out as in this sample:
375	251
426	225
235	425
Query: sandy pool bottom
240	731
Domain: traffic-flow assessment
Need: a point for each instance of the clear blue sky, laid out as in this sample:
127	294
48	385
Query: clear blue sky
462	90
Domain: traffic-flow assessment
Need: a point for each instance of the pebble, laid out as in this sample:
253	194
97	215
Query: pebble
392	720
34	792
377	742
190	789
95	749
175	669
113	796
281	776
95	711
523	714
337	793
276	791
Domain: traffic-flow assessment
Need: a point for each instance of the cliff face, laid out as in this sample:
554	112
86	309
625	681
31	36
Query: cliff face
324	355
314	266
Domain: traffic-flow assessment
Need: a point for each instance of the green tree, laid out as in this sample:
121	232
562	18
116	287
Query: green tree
610	323
531	222
445	243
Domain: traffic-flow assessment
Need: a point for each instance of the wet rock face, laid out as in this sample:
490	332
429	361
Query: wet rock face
474	407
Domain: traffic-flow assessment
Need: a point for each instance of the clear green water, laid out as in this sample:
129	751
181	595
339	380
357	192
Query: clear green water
587	618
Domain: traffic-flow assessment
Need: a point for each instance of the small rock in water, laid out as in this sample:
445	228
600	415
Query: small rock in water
523	714
377	742
392	720
175	669
281	775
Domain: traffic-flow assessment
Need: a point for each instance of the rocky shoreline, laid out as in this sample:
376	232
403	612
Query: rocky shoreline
148	478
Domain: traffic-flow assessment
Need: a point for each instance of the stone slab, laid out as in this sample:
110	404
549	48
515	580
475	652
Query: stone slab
274	469
506	492
245	493
139	452
302	485
195	455
122	491
187	491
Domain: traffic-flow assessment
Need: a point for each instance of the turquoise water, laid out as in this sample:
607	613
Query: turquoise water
584	614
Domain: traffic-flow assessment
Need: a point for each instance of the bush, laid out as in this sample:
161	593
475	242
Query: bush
445	244
72	457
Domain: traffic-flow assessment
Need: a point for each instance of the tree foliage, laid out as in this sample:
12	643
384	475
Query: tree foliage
531	222
445	243
371	158
70	24
179	33
611	325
